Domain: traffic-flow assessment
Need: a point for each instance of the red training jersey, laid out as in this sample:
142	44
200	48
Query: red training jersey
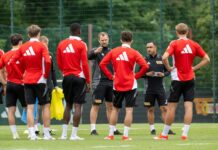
183	52
35	60
12	74
124	59
72	58
1	53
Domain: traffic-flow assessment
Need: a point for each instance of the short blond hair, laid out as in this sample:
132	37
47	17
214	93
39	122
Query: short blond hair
102	34
182	28
33	30
43	39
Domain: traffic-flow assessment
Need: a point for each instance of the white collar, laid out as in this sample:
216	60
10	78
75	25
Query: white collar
75	38
126	45
183	38
34	39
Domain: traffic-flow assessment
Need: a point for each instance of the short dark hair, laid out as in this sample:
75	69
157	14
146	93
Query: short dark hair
154	43
75	29
33	30
126	36
15	39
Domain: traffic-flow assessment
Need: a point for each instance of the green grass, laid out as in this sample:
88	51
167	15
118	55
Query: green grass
201	137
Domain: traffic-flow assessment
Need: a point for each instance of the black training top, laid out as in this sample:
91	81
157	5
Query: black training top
155	83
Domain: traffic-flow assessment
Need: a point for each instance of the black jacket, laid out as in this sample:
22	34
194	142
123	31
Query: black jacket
155	83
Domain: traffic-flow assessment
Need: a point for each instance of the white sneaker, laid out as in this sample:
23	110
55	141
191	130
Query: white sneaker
16	136
33	138
48	137
63	137
75	138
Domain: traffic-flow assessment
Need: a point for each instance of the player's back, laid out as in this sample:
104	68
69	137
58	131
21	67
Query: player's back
184	51
15	71
69	55
34	57
124	60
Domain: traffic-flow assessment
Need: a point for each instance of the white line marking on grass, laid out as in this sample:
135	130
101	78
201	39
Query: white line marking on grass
111	146
27	149
188	144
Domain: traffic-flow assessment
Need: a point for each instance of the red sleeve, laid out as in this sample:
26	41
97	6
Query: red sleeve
143	65
85	65
47	61
199	51
1	53
103	65
2	62
58	58
170	48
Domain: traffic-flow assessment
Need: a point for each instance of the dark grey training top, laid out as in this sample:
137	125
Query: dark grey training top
98	76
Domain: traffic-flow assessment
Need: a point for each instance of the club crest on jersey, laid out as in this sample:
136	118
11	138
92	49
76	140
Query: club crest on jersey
123	57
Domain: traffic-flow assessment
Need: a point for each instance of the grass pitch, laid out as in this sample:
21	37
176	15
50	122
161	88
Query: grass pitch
201	137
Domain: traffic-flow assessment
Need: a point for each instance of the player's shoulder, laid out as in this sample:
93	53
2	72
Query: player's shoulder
173	42
63	41
1	52
9	52
194	43
134	51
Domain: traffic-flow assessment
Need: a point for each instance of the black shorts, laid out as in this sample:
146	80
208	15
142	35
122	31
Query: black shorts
129	96
33	91
74	89
102	92
185	88
150	99
48	95
13	93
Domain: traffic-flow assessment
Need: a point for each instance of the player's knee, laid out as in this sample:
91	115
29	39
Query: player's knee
163	109
151	110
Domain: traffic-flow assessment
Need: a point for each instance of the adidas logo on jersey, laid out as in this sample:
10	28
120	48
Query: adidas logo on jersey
69	49
123	57
29	52
187	50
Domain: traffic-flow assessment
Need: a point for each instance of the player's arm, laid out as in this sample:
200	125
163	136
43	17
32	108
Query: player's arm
2	71
147	73
47	61
166	61
93	53
166	72
143	66
53	74
169	51
205	60
85	65
103	66
58	58
202	54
